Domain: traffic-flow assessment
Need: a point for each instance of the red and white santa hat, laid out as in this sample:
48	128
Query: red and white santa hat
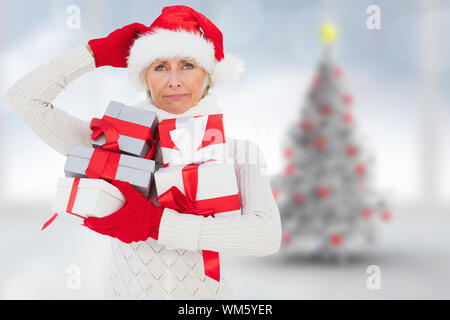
182	32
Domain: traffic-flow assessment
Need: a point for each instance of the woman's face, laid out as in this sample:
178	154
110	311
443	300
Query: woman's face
175	84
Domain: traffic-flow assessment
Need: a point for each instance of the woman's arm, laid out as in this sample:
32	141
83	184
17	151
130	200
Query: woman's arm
32	98
257	232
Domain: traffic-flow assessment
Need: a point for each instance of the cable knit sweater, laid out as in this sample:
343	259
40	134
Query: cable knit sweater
171	267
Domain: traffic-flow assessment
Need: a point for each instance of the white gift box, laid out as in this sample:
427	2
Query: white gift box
192	140
94	197
216	188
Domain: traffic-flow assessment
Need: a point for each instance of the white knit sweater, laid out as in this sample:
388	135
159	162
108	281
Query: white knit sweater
171	267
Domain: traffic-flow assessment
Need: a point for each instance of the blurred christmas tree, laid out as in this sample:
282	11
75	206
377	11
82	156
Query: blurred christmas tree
327	206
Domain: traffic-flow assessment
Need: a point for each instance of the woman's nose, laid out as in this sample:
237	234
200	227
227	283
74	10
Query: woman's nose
174	80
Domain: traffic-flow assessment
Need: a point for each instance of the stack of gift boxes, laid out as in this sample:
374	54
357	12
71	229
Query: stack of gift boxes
195	162
124	142
197	176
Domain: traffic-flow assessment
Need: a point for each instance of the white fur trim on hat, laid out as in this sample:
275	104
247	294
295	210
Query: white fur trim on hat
167	44
227	70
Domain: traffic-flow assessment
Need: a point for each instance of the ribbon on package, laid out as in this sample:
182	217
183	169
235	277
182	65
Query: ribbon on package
103	165
188	204
192	140
112	128
70	203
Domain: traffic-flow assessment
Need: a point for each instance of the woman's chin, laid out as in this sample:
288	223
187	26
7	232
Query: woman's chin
177	108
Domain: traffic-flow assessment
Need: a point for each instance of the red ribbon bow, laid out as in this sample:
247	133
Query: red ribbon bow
112	128
103	165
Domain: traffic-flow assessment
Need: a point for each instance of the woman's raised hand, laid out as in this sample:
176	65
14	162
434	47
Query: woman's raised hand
113	50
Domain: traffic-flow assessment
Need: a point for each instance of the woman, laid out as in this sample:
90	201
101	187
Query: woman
178	61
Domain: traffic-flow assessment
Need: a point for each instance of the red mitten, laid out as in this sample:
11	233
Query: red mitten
114	49
137	220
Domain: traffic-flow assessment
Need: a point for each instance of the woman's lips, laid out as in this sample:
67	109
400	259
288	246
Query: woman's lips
176	96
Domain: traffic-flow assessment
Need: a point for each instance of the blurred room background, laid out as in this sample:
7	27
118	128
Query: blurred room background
399	76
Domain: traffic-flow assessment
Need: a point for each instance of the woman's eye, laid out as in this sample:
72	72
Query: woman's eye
189	66
159	68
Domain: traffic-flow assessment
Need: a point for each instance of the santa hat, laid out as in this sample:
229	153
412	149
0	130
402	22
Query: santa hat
182	32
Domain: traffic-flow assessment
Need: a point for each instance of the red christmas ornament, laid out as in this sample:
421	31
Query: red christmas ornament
336	239
386	215
348	99
307	125
286	238
319	143
289	170
361	169
276	194
288	152
323	192
325	110
298	198
366	213
317	80
338	72
347	117
352	150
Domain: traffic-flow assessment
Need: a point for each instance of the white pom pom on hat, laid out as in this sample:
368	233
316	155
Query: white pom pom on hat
182	32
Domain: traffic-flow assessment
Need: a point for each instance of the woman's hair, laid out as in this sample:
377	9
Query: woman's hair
205	86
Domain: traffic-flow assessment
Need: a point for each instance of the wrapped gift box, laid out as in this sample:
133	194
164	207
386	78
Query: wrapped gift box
87	197
126	129
210	186
192	140
207	189
89	162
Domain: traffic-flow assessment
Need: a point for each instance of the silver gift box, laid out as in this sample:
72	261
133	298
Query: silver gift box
137	171
130	145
